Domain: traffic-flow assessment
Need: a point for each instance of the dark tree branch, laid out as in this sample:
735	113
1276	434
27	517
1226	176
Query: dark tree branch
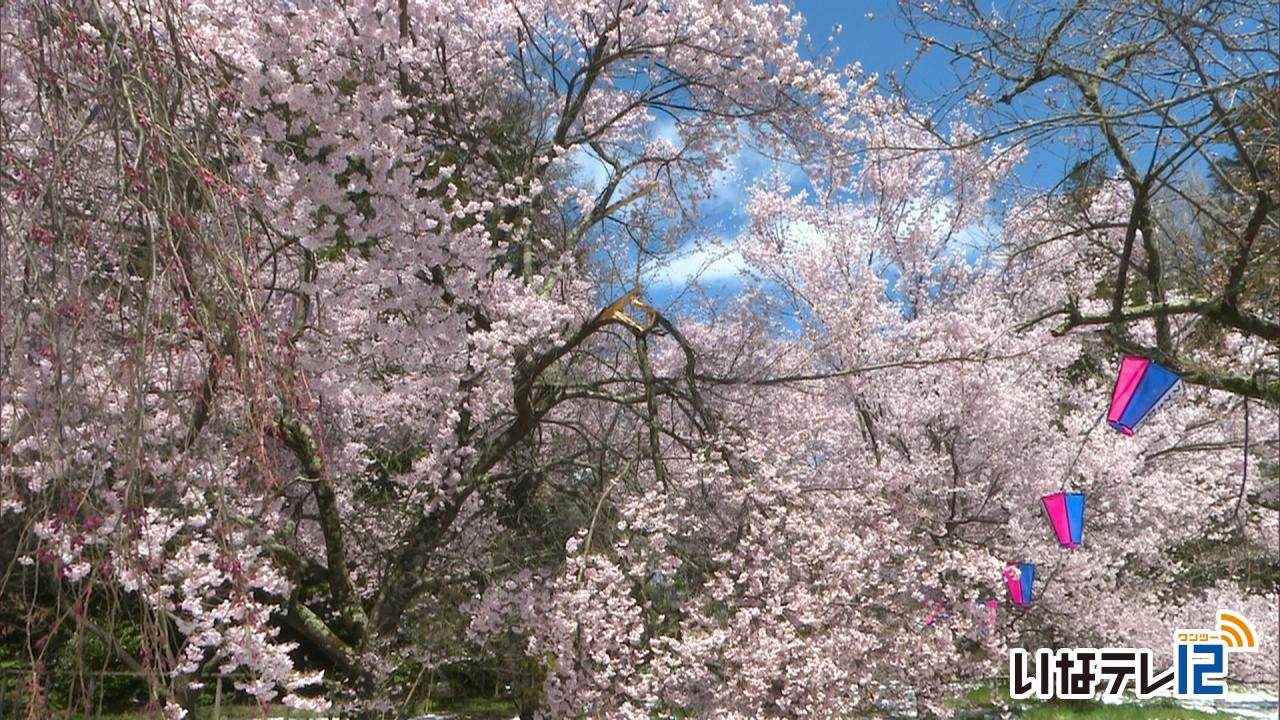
299	437
1219	311
1192	373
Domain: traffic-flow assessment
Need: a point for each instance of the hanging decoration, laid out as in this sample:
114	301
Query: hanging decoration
1066	514
937	612
1020	581
1141	386
987	616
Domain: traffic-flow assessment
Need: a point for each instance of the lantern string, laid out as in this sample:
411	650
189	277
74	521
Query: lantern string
1244	473
1084	441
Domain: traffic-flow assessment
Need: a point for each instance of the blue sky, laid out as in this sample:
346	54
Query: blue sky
870	32
871	35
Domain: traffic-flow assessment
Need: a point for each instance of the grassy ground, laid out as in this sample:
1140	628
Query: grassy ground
979	699
967	706
497	710
228	712
477	708
470	709
1098	711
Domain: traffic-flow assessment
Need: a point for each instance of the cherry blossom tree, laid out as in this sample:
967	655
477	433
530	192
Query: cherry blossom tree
293	291
1168	110
325	364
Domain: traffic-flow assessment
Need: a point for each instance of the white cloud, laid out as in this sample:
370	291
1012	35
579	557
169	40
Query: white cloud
709	262
717	259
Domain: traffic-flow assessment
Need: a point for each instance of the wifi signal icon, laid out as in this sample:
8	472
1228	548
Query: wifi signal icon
1235	631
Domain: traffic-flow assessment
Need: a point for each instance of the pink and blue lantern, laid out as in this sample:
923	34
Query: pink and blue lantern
937	612
986	616
1066	514
1141	387
1020	582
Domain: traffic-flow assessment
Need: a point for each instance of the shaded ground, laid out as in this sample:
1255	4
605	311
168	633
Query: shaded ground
1239	704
